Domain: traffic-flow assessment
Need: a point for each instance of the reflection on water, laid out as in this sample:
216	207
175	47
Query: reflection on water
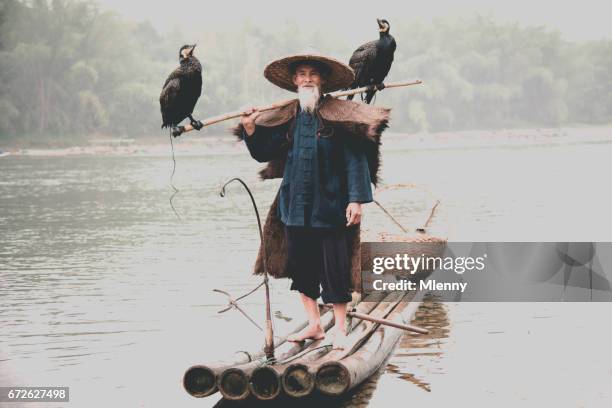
416	351
415	359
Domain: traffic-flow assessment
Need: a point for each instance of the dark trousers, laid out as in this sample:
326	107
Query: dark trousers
318	258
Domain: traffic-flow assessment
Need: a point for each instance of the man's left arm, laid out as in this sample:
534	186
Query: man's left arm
358	175
358	183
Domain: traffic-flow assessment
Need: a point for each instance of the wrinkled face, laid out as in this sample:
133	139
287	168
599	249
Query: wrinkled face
307	75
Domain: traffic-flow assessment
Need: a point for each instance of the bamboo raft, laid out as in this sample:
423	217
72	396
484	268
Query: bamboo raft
374	324
302	368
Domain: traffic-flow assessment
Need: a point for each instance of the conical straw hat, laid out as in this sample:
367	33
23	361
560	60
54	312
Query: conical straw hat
280	72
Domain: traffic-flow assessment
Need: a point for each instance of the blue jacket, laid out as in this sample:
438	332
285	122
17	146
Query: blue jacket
322	174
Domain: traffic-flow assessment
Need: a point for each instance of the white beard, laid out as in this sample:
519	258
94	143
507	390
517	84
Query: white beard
308	97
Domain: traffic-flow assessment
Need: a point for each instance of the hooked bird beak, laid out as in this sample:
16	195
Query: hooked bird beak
380	23
192	48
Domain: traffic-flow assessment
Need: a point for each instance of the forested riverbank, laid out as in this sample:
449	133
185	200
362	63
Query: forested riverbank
70	72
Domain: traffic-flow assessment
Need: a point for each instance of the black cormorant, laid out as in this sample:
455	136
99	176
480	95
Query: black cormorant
372	61
182	90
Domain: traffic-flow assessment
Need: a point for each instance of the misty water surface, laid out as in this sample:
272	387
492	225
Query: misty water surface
104	290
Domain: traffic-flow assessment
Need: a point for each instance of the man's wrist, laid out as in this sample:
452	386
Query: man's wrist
249	130
248	136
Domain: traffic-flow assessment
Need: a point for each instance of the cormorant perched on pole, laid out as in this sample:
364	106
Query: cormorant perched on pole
181	91
372	61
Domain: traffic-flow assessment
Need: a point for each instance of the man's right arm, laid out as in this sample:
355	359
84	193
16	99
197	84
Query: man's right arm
263	143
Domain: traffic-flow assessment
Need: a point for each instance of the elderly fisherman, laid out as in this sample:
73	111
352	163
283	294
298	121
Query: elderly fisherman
327	153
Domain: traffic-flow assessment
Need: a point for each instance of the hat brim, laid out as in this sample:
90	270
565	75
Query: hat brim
280	73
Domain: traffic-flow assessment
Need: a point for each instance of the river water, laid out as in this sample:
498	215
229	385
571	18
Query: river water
104	290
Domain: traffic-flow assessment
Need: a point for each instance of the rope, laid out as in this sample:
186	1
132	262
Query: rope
264	361
247	294
176	190
249	356
232	304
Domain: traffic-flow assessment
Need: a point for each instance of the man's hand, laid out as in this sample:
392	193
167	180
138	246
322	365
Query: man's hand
248	120
353	214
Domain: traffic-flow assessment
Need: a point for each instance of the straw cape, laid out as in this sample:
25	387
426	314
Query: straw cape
337	75
358	124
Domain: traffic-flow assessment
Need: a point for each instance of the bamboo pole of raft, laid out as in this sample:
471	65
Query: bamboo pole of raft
201	380
298	378
337	377
280	104
233	380
390	323
265	381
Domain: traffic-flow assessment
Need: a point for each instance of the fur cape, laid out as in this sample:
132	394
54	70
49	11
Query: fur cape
359	124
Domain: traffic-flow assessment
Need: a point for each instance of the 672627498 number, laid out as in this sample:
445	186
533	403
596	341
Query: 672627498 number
22	394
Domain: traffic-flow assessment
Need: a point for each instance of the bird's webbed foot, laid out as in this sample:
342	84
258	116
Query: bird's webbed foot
197	124
177	130
380	86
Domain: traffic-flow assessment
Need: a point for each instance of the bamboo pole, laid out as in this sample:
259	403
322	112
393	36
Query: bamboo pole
269	338
265	381
390	323
364	330
201	380
298	378
338	377
280	104
422	229
233	381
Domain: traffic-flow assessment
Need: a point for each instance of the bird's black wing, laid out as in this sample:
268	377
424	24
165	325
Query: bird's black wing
192	90
361	61
168	97
385	61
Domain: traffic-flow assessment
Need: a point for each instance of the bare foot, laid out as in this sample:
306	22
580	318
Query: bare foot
314	332
340	340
